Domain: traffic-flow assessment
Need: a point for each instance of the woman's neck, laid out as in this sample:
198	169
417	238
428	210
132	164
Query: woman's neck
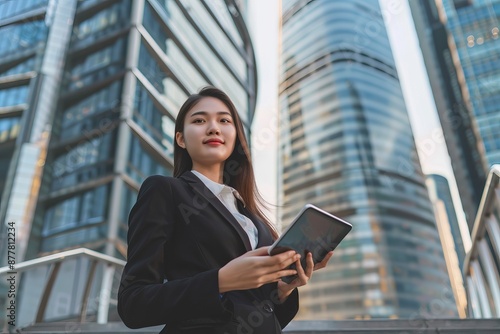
214	173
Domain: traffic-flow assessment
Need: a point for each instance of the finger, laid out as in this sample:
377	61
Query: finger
283	260
324	262
301	273
283	256
287	263
275	263
276	276
309	265
258	251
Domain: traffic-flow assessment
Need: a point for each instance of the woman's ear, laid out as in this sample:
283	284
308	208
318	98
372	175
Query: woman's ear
179	138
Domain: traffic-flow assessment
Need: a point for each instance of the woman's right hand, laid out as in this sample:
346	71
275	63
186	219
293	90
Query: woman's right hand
256	268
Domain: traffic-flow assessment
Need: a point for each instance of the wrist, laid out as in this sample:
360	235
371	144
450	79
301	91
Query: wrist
224	284
284	291
221	281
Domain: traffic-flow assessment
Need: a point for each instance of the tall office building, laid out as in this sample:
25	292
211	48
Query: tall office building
461	48
347	146
450	235
440	190
89	91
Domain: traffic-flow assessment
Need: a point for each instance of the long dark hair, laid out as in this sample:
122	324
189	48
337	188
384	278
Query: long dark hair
238	170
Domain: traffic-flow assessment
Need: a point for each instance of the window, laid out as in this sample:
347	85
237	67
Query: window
13	96
22	36
152	120
24	66
97	66
85	162
101	100
102	23
9	128
82	209
9	8
141	164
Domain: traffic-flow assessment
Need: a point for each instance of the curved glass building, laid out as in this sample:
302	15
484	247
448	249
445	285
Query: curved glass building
89	91
347	147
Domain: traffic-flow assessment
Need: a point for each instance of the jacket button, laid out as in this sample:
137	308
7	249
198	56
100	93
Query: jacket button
267	308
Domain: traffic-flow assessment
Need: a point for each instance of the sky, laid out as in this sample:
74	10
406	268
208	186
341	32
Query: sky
263	21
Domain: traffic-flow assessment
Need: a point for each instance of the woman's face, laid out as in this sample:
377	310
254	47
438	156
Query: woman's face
209	133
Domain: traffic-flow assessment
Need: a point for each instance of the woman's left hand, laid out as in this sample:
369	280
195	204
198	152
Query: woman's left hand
303	275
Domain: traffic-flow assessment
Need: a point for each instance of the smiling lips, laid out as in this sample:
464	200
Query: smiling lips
214	141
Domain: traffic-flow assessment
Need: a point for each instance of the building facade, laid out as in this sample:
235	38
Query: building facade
89	91
450	235
346	145
439	189
460	45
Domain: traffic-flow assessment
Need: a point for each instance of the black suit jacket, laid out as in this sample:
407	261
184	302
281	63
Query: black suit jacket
179	236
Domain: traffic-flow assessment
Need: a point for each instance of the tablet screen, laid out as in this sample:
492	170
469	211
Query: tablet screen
315	231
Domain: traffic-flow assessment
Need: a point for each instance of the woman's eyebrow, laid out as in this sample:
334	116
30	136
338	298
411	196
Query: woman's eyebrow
204	113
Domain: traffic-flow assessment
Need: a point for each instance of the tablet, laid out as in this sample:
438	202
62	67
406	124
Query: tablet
313	230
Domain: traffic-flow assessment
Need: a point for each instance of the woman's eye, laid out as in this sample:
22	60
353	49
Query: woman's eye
199	120
225	120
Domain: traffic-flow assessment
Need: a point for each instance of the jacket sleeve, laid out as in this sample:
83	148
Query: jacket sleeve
287	310
143	298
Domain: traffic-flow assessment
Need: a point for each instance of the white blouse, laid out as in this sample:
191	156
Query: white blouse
227	195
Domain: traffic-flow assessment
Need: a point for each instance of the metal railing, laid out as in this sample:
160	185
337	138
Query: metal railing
54	263
481	264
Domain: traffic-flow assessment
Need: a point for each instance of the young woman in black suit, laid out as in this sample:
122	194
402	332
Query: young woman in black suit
197	242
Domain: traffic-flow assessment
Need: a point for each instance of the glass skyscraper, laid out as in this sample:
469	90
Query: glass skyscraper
441	190
461	48
474	26
346	145
89	91
450	235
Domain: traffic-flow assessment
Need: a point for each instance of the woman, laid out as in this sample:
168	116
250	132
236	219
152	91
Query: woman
197	242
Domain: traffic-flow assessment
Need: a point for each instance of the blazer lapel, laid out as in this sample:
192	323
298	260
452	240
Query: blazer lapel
203	191
265	236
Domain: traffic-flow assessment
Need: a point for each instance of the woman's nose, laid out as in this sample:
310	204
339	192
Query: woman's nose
213	129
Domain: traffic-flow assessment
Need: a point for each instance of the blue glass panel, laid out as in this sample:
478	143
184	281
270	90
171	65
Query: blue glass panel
141	164
83	209
9	8
13	96
21	36
9	128
85	162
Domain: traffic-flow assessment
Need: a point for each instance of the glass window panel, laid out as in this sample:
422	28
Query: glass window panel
18	68
141	164
103	99
153	121
13	96
102	23
85	162
9	128
217	37
9	8
221	11
73	238
98	65
85	208
22	36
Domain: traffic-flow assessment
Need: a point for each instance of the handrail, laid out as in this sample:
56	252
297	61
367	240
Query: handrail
55	262
479	266
484	209
58	257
